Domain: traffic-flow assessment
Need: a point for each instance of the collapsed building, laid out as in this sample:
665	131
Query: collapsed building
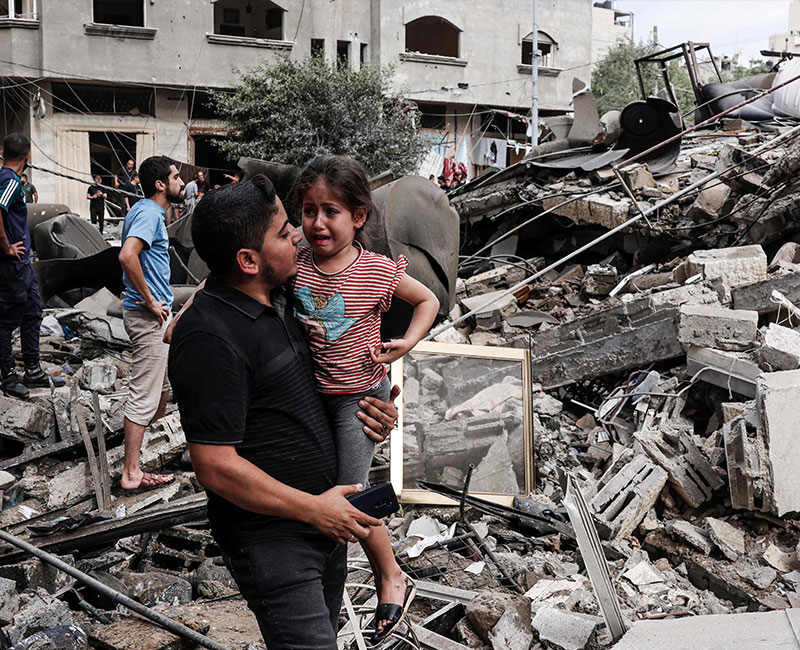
603	438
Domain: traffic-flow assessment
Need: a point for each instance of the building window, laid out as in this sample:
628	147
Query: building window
249	19
318	47
25	9
119	12
432	116
342	53
547	50
363	54
110	100
432	35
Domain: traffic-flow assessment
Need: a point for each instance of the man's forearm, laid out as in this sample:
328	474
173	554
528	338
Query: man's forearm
5	245
239	481
133	269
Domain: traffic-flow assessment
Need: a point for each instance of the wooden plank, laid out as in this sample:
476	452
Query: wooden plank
102	453
93	466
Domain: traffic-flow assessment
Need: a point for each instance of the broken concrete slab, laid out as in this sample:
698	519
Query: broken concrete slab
26	422
717	327
98	375
757	296
98	303
753	631
630	333
711	202
40	612
783	561
512	631
486	609
7	479
780	348
691	534
545	404
776	390
601	210
626	497
760	577
9	600
725	268
154	587
562	629
734	371
729	539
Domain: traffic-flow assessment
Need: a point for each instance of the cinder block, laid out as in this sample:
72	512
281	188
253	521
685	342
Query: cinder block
627	496
690	473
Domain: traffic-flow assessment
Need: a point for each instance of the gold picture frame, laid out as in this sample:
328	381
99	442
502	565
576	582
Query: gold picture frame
420	457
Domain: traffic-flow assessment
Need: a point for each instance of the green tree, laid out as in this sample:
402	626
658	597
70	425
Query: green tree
615	83
291	111
755	67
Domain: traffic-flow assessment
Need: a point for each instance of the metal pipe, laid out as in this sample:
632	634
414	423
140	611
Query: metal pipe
671	199
114	595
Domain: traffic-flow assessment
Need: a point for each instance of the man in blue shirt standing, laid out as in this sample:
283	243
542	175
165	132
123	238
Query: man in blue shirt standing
147	310
20	305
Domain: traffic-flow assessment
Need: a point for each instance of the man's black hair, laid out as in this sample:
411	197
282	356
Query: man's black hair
230	218
16	146
155	168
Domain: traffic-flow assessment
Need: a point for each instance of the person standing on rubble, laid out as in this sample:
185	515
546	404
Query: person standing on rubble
147	311
20	305
258	436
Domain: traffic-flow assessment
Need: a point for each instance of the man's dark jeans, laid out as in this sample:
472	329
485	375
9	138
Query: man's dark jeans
20	306
294	587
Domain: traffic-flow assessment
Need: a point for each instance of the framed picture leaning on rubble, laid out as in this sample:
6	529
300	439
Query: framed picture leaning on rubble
463	404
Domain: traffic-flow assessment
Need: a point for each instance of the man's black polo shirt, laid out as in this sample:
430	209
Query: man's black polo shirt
242	375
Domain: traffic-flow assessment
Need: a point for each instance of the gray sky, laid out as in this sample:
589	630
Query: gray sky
728	25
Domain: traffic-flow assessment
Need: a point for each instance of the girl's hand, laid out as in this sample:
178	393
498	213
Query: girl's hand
390	351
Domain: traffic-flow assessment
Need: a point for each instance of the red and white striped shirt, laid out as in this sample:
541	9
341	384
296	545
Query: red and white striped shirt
342	315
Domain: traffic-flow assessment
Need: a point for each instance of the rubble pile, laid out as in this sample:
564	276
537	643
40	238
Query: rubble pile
665	362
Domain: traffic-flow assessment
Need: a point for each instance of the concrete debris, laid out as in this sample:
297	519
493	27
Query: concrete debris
729	539
690	533
627	496
780	348
563	630
715	327
664	370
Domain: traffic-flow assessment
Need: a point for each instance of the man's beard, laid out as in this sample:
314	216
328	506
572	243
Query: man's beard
270	276
179	197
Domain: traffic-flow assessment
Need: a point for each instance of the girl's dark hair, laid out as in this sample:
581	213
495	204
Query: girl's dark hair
346	177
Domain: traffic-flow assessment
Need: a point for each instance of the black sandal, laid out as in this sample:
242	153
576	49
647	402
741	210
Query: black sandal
393	613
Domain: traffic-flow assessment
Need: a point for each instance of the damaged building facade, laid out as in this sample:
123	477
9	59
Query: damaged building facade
58	88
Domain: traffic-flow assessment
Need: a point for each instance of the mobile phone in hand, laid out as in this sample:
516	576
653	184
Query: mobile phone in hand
378	501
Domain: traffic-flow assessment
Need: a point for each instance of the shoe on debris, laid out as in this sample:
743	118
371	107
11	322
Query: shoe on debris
35	377
12	386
